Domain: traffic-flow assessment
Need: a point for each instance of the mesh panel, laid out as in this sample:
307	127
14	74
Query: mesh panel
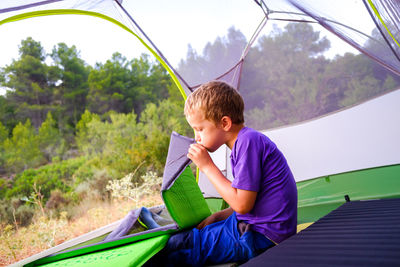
291	72
377	42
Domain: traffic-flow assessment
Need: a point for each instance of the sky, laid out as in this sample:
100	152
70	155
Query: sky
97	39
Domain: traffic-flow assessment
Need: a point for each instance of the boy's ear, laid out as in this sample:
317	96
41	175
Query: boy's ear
226	123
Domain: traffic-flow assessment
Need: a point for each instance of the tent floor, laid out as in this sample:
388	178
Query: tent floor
358	233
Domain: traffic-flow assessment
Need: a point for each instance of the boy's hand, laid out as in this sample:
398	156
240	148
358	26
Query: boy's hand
209	220
215	217
199	155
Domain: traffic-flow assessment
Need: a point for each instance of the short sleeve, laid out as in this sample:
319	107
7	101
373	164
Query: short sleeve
246	165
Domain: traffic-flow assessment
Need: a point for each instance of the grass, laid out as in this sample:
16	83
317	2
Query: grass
45	232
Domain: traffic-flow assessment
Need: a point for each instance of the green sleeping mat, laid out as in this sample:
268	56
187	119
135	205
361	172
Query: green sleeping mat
134	254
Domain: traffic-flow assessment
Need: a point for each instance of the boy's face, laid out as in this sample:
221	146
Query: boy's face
207	133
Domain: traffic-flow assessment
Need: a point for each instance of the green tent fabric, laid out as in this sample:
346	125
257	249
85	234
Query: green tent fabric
180	191
185	201
129	255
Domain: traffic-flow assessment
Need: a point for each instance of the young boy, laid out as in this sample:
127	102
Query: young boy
262	196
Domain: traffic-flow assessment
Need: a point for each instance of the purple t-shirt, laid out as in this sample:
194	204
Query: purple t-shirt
258	165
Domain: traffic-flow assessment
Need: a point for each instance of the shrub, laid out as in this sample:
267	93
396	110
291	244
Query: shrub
56	200
24	215
124	188
99	183
5	185
21	151
84	173
51	143
6	212
48	178
14	211
94	188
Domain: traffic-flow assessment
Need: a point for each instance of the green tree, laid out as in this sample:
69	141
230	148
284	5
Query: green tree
3	138
72	86
106	84
158	123
350	79
121	137
31	84
378	46
21	151
82	131
7	112
175	95
113	145
149	83
3	133
119	144
51	143
215	60
281	76
123	85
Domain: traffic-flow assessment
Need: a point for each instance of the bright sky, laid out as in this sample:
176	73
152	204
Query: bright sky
97	39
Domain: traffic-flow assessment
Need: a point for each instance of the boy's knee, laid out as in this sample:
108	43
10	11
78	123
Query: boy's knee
182	240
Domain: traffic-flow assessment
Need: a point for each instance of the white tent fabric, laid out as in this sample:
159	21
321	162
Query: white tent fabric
361	137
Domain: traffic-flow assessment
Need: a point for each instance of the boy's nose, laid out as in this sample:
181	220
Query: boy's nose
197	138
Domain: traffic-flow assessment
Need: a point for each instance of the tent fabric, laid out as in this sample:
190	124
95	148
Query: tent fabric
134	17
185	202
318	197
125	226
338	143
176	160
136	238
380	45
341	142
151	220
385	15
358	233
111	10
135	254
96	235
180	191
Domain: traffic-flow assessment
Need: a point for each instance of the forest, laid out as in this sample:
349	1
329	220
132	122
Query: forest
68	128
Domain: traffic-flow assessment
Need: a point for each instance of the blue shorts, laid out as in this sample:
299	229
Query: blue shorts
216	243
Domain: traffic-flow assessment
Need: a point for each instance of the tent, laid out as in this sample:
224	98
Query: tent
333	151
336	155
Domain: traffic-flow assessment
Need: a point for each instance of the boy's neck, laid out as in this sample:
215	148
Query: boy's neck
233	134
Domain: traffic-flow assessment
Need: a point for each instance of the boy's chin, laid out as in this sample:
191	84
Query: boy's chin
211	150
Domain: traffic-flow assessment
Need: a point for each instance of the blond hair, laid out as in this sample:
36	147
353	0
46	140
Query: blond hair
216	99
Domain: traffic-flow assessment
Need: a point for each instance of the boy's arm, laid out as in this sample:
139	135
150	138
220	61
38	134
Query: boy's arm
241	201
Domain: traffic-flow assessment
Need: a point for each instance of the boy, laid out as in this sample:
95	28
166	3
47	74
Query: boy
262	196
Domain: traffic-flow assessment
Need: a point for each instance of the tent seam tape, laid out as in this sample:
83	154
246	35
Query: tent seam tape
381	20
